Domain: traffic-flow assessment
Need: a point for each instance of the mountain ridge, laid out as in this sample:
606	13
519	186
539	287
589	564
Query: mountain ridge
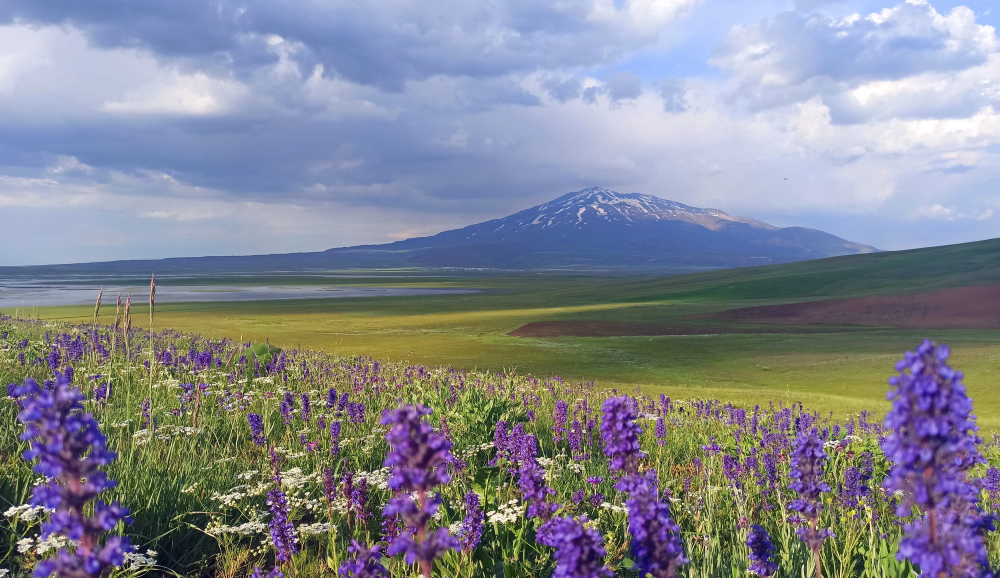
590	229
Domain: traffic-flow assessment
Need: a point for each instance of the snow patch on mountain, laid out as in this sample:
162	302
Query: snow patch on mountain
597	204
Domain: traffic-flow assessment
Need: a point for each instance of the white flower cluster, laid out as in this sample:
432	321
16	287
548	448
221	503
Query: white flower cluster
614	508
468	453
164	433
289	453
244	529
135	560
317	529
507	513
26	512
294	478
42	547
378	479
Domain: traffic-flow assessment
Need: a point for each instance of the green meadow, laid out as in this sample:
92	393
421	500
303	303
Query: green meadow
842	369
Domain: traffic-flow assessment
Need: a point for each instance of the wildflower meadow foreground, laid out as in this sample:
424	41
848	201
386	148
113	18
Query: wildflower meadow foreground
131	453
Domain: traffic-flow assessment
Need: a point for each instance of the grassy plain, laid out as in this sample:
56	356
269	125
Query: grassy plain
841	369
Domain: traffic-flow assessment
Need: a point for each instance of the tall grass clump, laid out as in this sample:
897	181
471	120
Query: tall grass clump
245	459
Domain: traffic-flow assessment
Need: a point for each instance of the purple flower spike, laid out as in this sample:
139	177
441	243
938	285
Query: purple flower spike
71	449
932	447
274	573
367	562
656	543
256	428
472	524
807	480
286	543
579	550
761	552
621	435
418	455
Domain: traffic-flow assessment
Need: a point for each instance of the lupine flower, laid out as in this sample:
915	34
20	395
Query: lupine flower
71	450
621	435
358	500
762	561
306	407
274	573
287	405
712	448
932	446
256	428
534	490
660	433
656	544
472	524
335	438
286	543
418	456
560	415
367	562
145	407
579	551
807	480
331	399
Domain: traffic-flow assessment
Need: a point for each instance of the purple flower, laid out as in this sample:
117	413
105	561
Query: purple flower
367	562
256	428
575	438
660	433
807	480
145	408
274	573
712	448
472	525
358	499
331	399
560	415
286	543
287	405
656	544
534	490
71	450
762	561
418	455
932	446
621	435
579	551
306	407
335	438
329	486
356	412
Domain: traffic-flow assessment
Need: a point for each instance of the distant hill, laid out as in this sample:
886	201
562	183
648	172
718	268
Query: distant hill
592	229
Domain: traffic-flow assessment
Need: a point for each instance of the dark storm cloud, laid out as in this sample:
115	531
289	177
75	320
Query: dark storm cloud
384	43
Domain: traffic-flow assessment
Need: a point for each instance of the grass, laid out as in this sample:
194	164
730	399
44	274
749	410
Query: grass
196	486
831	369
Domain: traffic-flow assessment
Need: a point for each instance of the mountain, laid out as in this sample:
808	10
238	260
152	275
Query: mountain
598	228
590	229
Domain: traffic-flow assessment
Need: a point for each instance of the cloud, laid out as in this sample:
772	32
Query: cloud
907	52
242	128
386	43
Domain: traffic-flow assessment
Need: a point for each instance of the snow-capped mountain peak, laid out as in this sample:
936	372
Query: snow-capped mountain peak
596	205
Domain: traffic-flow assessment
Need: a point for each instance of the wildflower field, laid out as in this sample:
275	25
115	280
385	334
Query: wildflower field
130	453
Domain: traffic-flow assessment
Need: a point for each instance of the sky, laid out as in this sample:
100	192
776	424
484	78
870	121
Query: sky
169	128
